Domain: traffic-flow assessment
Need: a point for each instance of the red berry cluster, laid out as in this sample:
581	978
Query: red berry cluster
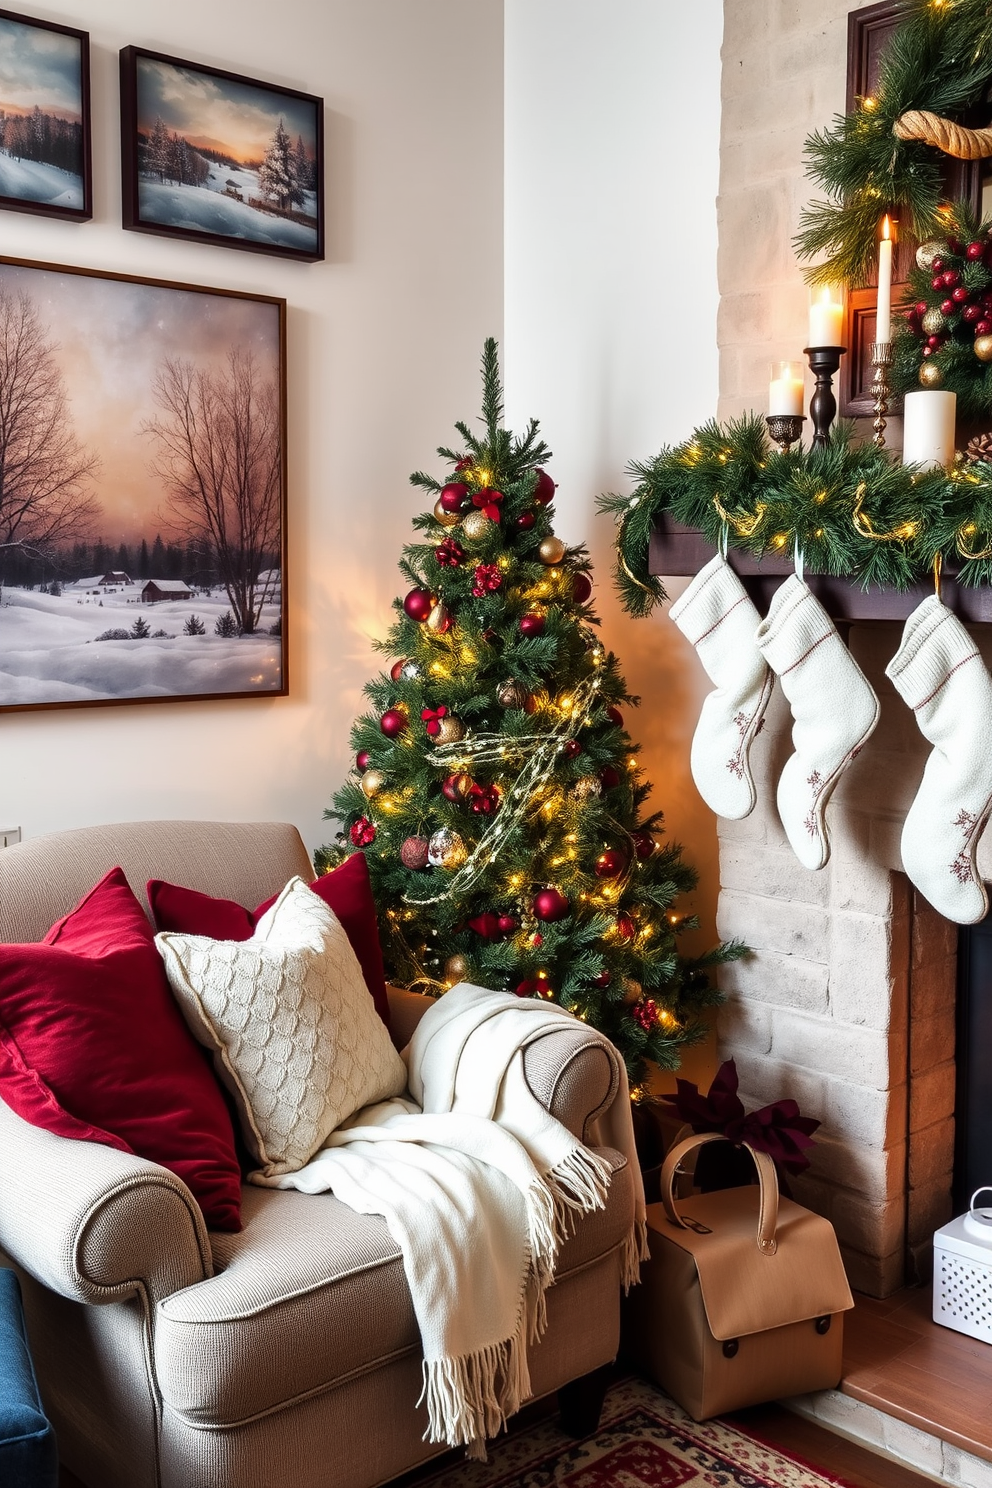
959	285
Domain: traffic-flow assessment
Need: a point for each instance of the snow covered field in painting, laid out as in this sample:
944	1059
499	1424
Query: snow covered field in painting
31	180
209	208
49	652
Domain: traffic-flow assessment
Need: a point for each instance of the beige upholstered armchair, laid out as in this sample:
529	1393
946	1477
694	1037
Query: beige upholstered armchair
287	1354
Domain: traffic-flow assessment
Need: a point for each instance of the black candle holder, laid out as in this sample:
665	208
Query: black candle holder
823	362
784	429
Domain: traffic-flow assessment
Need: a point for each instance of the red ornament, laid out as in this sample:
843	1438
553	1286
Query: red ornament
525	521
457	786
488	577
535	986
646	1014
362	760
393	722
959	295
396	668
572	749
609	777
544	491
413	853
531	624
452	497
615	716
947	307
486	925
921	307
644	844
949	278
488	503
464	464
626	929
484	799
610	864
507	924
418	604
936	266
603	980
449	553
581	588
971	313
362	832
432	717
935	342
551	904
983	328
975	251
937	282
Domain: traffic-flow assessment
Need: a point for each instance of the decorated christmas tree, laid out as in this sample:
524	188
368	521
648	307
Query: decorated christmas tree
497	795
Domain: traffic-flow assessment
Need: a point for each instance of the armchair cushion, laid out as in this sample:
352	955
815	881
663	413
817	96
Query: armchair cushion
28	1455
95	1046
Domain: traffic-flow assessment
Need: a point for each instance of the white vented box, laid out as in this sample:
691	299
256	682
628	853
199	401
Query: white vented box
962	1274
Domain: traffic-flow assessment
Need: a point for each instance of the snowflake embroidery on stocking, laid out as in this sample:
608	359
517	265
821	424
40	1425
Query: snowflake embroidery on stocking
816	781
736	762
961	868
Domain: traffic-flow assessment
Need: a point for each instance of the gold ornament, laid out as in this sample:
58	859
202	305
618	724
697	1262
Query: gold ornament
512	694
451	730
983	348
631	990
930	375
372	782
446	849
933	321
552	550
475	526
446	518
588	787
927	252
438	619
456	968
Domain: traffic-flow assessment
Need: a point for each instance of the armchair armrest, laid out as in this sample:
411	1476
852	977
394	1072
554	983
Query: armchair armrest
573	1072
95	1224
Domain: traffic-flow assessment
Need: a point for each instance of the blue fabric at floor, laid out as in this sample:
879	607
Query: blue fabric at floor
28	1453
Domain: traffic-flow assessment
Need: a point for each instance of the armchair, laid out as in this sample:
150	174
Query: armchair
172	1357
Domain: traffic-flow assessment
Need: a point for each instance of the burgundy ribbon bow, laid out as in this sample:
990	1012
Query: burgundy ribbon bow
484	799
488	502
487	578
449	553
432	717
777	1129
362	832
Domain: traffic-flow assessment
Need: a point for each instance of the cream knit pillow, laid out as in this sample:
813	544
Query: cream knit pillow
293	1030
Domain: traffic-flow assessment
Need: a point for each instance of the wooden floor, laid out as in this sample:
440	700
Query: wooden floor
825	1450
897	1359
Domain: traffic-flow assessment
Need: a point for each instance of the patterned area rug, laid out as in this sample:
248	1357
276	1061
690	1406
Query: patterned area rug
644	1441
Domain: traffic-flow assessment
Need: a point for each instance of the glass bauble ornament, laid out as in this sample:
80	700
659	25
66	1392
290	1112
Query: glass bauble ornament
456	968
439	620
933	321
983	348
552	550
393	722
475	526
445	517
446	849
450	730
512	694
632	989
411	671
372	782
587	787
930	375
413	853
457	787
927	252
551	904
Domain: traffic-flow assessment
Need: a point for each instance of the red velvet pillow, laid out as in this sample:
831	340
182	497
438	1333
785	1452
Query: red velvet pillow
346	890
93	1045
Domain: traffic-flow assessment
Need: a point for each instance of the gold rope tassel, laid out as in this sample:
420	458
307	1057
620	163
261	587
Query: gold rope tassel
943	134
743	526
961	544
862	522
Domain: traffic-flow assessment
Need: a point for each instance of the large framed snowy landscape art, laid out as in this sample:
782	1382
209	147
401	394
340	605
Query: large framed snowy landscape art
142	490
221	158
44	118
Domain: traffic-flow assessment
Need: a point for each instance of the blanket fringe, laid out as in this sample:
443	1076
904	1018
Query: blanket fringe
470	1398
579	1184
635	1250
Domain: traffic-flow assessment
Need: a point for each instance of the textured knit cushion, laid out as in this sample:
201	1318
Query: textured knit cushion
94	1046
28	1456
347	890
294	1032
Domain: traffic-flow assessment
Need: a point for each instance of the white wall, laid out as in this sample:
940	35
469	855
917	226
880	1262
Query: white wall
384	344
611	168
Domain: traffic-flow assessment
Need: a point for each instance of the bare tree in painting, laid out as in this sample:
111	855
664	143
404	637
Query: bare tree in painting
218	452
45	472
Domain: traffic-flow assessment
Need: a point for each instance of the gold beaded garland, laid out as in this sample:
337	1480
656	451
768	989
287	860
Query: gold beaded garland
446	518
372	782
930	375
983	348
475	526
552	550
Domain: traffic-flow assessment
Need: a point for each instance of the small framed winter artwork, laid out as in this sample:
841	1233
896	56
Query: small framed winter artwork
44	118
220	158
142	490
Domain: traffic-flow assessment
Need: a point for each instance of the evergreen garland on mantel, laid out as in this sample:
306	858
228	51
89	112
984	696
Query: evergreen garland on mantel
848	508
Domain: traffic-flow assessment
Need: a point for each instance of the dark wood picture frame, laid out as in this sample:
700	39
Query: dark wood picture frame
256	204
44	162
200	611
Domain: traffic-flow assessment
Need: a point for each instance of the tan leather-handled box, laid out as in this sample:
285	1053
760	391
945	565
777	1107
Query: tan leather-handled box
743	1298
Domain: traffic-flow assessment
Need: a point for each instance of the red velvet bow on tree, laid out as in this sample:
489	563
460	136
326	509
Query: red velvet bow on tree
449	553
432	717
484	799
488	502
777	1129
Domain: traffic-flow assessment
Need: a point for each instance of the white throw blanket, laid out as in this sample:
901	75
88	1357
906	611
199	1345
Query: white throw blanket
479	1186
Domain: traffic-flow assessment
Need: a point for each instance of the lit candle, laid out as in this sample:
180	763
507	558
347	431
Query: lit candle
928	429
826	316
786	389
883	306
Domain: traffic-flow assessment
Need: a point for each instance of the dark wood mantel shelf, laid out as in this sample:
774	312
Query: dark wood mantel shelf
679	551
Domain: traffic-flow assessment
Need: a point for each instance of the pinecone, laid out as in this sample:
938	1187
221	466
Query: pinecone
979	448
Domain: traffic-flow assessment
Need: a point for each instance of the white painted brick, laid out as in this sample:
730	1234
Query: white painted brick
874	1229
867	955
787	980
763	1080
889	784
912	1445
745	1024
860	1055
961	1467
774	925
886	840
871	1116
844	1412
857	882
772	873
874	1174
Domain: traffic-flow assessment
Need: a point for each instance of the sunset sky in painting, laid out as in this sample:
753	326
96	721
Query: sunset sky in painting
39	67
112	337
234	118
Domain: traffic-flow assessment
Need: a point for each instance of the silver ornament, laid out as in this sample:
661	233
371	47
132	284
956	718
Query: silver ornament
446	849
410	671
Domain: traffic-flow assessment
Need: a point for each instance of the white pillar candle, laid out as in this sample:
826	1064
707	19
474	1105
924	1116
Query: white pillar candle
826	316
928	429
786	391
883	304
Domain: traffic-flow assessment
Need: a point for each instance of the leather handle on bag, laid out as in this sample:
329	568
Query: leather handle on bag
767	1184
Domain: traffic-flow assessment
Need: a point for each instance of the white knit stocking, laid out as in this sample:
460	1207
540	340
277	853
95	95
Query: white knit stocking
717	616
834	712
939	673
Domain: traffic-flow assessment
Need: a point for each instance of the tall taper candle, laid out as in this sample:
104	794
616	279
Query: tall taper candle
928	428
883	304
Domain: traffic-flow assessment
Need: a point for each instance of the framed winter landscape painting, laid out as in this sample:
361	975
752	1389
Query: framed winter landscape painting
220	158
44	118
142	490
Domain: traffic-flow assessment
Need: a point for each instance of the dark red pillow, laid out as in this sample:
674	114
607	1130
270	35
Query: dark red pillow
93	1045
347	890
